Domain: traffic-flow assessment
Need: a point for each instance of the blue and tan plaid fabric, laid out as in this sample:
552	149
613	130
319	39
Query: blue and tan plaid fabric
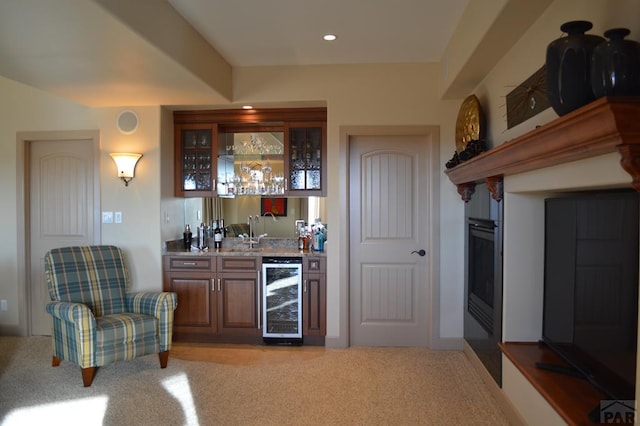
95	322
93	275
161	306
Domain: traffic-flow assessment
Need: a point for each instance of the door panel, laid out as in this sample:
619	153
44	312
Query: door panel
238	309
196	307
388	224
387	293
61	211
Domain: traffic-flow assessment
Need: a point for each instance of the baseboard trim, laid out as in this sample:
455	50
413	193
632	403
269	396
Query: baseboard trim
335	342
447	344
11	330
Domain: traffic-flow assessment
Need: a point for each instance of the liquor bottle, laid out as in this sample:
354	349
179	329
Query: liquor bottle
217	234
187	235
222	228
202	240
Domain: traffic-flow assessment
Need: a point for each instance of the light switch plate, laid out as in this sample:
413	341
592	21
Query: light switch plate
107	217
118	217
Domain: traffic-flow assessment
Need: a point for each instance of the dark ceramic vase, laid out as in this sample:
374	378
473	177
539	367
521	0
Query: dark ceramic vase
568	64
615	65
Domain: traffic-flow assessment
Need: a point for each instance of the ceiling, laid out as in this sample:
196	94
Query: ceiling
289	32
114	53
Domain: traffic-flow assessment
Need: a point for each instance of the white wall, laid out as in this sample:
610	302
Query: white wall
525	193
521	199
24	109
139	233
528	54
404	94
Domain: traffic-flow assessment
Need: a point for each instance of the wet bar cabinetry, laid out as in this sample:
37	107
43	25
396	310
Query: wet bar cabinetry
219	298
305	158
238	285
196	160
314	294
193	280
205	156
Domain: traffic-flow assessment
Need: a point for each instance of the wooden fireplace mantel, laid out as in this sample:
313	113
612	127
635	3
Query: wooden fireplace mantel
603	126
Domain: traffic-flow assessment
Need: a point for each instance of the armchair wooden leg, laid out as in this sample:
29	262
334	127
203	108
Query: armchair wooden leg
55	361
87	376
164	358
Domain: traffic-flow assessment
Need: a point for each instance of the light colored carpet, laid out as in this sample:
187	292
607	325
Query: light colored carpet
355	386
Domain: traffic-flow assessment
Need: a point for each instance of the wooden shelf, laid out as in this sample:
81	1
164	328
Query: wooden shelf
572	398
603	126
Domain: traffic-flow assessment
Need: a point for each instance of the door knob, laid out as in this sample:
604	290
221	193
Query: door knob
421	252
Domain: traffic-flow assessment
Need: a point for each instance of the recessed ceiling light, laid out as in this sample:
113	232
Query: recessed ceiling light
247	106
329	37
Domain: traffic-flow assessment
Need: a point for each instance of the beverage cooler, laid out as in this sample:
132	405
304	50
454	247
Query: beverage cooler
282	300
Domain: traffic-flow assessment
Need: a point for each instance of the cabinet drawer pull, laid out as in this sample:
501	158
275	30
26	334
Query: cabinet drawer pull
189	263
304	286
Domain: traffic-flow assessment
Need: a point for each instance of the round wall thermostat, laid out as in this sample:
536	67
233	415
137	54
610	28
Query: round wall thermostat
127	122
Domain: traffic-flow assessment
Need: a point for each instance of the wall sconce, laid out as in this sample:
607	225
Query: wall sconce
126	164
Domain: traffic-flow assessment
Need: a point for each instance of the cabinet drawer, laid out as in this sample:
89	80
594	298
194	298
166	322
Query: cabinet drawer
314	264
181	263
243	263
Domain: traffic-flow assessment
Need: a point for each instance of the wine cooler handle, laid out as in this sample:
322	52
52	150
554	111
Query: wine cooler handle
286	184
258	301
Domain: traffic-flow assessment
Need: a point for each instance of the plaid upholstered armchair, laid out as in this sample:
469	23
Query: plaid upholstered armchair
95	321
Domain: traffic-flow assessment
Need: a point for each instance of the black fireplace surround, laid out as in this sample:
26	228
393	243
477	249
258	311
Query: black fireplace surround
483	280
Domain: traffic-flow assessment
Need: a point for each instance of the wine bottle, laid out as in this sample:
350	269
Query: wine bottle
217	234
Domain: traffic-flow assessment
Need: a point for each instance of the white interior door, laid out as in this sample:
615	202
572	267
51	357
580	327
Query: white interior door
388	228
61	211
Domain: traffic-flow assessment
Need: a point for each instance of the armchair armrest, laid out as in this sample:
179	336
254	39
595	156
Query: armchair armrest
160	305
151	303
77	313
74	329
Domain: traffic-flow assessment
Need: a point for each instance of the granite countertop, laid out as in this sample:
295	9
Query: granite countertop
234	247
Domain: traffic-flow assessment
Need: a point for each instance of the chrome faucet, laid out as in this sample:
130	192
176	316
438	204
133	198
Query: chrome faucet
275	219
251	241
264	224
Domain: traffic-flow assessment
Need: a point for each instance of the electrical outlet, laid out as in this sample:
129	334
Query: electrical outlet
3	305
117	217
107	217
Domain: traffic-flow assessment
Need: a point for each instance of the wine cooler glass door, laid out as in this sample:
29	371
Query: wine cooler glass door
282	298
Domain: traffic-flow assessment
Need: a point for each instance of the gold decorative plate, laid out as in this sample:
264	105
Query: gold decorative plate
469	125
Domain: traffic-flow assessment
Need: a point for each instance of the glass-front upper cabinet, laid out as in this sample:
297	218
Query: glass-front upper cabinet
306	158
277	151
251	163
195	170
